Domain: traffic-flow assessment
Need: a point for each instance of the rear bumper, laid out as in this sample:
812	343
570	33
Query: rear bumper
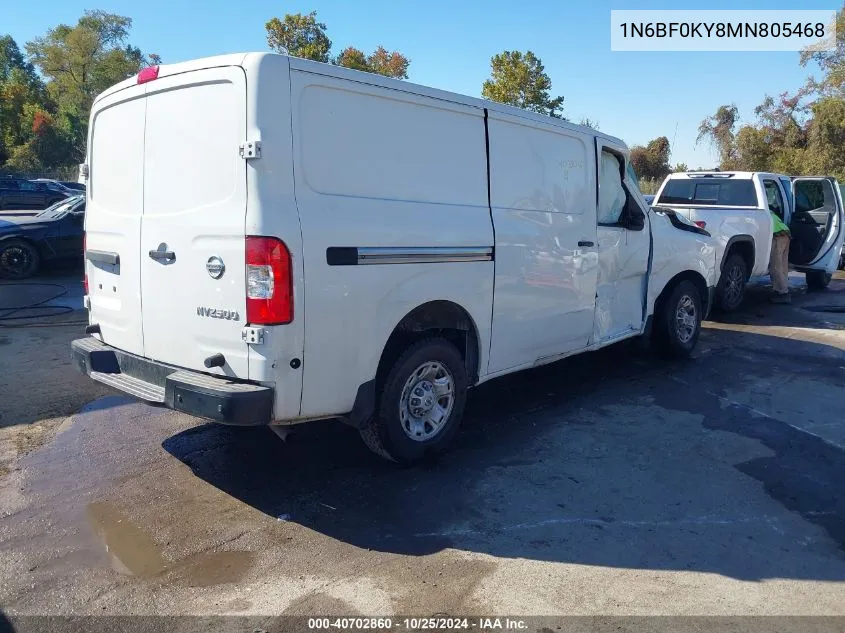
218	399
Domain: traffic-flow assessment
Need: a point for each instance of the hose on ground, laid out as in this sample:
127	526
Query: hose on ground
41	311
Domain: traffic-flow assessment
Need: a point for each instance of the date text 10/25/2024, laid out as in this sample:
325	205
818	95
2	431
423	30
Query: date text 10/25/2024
433	623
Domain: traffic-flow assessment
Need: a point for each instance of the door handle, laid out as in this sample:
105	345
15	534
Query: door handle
167	257
587	244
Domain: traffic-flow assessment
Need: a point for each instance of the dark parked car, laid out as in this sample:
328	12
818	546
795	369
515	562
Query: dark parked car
55	185
76	186
28	241
16	193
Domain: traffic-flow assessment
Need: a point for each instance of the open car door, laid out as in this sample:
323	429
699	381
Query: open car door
816	224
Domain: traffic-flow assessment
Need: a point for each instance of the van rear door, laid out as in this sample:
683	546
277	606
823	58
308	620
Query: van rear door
113	217
193	279
816	224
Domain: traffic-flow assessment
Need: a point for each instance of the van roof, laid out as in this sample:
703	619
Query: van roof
330	70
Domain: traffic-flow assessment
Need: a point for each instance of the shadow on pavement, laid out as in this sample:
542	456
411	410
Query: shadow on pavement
600	459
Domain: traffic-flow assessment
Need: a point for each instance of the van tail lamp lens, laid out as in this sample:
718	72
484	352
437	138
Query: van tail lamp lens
269	281
148	74
701	224
85	273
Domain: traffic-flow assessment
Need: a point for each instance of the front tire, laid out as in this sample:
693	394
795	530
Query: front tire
677	321
421	403
731	288
18	259
818	279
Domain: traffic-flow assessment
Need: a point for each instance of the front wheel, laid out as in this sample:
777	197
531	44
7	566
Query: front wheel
677	321
731	289
818	279
421	403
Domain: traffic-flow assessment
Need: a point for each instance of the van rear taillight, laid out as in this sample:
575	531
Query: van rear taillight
148	74
269	281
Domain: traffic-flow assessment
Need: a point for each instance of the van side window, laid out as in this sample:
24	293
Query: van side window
611	193
774	198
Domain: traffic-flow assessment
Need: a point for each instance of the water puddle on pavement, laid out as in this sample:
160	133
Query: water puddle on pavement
131	551
134	553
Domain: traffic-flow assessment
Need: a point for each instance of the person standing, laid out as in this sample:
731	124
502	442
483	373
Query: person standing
779	260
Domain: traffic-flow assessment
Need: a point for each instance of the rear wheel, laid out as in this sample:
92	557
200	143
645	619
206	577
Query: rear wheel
421	403
731	289
677	321
818	279
18	259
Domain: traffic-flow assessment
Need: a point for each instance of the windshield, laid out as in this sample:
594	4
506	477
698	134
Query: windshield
58	209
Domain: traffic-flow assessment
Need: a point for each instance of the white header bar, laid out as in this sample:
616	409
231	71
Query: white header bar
706	30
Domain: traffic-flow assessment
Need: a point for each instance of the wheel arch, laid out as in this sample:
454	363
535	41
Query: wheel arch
687	275
440	317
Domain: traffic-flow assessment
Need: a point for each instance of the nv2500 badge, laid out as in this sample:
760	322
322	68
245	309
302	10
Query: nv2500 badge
217	313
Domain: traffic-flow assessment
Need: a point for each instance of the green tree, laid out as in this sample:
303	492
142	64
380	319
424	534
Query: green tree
753	152
390	64
680	167
78	63
825	152
351	57
652	161
718	129
299	35
519	79
20	86
81	61
381	62
830	62
302	36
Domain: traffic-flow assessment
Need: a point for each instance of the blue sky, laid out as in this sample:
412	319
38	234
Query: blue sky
634	95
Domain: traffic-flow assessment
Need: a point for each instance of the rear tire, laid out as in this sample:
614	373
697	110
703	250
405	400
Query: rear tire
677	321
421	403
731	288
18	259
817	279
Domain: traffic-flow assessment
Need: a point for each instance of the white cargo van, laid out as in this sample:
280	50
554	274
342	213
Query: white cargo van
272	240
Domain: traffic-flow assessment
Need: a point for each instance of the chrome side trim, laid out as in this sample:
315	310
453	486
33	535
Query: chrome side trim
423	254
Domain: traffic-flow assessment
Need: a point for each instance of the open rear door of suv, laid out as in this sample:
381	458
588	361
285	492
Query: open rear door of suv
816	224
193	245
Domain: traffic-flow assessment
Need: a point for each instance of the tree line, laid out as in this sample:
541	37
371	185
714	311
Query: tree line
797	133
48	86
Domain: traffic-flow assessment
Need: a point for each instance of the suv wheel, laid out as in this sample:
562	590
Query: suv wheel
421	403
677	321
817	279
731	289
